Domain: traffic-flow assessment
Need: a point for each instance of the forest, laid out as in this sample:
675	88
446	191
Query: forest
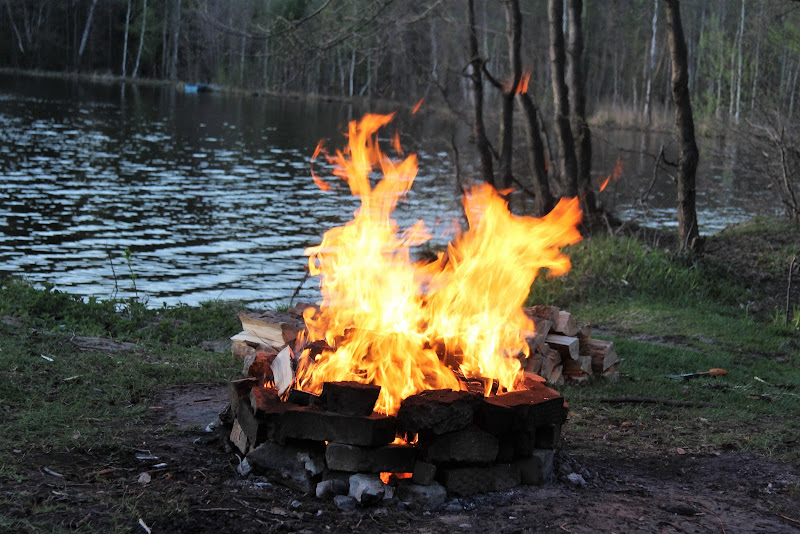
470	57
744	55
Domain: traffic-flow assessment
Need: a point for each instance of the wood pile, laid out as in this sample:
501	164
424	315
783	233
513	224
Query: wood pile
561	351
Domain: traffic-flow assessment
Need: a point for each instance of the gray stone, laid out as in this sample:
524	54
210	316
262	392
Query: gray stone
538	468
464	481
428	497
312	424
423	473
576	479
330	488
470	445
367	489
291	466
386	459
345	503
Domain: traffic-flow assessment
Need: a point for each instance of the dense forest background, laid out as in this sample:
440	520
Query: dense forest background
744	55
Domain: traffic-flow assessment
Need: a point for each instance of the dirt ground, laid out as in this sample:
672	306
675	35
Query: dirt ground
191	485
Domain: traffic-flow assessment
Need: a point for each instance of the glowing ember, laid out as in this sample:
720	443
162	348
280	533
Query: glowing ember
408	326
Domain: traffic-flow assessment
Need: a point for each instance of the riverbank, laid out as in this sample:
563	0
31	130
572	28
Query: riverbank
89	386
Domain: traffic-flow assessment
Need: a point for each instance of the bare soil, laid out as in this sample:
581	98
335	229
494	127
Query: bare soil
191	486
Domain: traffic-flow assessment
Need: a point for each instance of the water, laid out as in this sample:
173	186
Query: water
212	194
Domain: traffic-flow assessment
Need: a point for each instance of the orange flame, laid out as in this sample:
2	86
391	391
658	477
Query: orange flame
407	326
522	86
615	174
417	106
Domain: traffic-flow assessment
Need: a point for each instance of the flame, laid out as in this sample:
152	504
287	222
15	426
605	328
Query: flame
409	326
417	106
615	174
522	86
388	477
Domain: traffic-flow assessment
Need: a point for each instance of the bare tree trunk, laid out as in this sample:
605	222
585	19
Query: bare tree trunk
577	89
739	76
566	144
125	41
141	40
651	66
544	201
14	25
176	30
684	125
476	67
86	30
514	35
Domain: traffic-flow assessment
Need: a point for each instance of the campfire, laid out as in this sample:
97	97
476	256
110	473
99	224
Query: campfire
421	378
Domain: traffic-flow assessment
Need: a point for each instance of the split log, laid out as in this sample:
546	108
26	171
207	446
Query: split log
549	313
257	364
602	354
565	324
567	346
273	328
612	373
556	377
582	365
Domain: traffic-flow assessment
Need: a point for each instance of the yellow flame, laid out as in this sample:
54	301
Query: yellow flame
406	326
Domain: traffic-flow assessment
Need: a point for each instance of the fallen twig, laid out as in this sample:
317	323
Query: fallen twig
789	519
653	400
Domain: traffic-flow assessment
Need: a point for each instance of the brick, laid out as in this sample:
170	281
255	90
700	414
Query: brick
312	424
470	445
239	389
350	398
386	459
547	436
439	411
465	481
536	469
423	473
422	497
294	467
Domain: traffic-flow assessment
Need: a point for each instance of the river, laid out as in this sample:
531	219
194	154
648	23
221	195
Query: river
212	193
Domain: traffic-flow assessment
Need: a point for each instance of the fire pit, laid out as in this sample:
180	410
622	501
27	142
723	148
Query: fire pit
414	379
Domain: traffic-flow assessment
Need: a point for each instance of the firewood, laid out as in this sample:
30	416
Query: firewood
577	366
584	332
556	377
602	353
566	324
282	371
551	360
258	364
536	340
241	350
273	328
612	373
565	345
543	312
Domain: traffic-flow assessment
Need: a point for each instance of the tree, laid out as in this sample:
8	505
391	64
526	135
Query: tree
583	145
566	143
688	232
476	67
141	39
86	32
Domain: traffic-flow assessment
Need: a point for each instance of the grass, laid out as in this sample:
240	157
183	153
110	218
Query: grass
54	396
667	316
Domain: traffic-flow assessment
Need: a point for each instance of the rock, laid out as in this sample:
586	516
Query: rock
429	497
330	488
367	489
576	479
345	503
312	424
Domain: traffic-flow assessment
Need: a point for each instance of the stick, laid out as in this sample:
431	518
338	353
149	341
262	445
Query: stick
795	521
653	400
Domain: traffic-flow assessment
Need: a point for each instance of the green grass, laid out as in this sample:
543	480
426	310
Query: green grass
667	316
54	396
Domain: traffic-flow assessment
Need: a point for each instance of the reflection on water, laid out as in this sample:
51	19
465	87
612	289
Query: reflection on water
212	193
